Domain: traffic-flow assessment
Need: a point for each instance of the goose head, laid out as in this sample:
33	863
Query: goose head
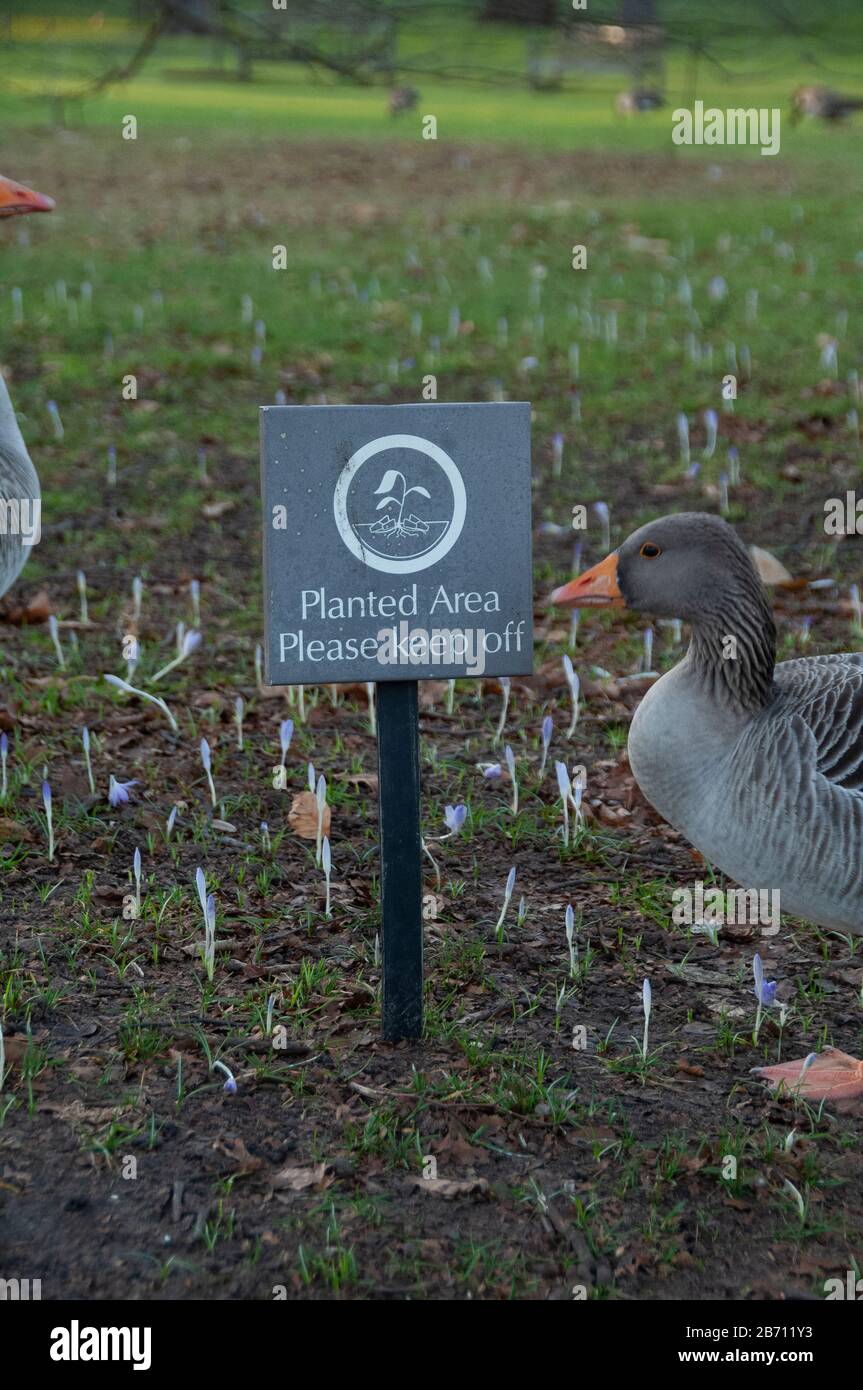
16	199
692	566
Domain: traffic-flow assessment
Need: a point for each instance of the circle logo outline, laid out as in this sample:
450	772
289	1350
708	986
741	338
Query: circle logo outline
410	564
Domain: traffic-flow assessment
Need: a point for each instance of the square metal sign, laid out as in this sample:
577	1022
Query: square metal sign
397	542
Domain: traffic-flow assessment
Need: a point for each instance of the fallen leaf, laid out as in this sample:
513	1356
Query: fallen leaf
13	830
297	1178
448	1188
834	1075
244	1162
213	510
303	816
771	570
365	779
36	610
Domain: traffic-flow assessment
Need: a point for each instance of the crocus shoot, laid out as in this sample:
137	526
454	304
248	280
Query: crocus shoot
136	870
55	638
230	1086
208	909
574	685
85	743
565	789
507	894
205	759
602	512
142	695
190	642
46	802
765	992
570	940
239	710
81	580
646	1001
505	688
321	803
711	425
547	730
326	864
454	819
683	439
118	792
510	763
373	723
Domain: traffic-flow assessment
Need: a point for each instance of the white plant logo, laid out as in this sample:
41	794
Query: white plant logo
411	517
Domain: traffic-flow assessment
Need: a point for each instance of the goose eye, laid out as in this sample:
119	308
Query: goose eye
650	551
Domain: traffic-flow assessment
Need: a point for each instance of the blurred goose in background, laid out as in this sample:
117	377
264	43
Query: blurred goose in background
759	766
19	482
639	99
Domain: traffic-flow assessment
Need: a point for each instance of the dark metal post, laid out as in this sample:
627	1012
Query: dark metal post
401	869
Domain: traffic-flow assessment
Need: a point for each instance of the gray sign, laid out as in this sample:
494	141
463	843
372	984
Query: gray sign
396	541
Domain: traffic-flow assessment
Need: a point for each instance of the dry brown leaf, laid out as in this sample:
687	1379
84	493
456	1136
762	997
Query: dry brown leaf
303	816
245	1163
833	1075
771	570
13	830
36	610
448	1188
365	779
213	510
431	693
296	1178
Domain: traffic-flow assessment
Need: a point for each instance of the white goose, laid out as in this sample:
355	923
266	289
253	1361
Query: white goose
19	482
759	766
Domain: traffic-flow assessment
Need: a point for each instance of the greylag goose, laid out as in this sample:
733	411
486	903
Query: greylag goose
759	766
19	483
821	102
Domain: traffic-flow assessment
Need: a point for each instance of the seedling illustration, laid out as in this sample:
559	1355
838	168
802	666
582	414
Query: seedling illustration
397	524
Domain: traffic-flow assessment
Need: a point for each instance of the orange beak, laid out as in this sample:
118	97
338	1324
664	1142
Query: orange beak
15	199
596	588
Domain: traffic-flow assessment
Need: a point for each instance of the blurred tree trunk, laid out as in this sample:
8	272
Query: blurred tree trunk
539	12
634	13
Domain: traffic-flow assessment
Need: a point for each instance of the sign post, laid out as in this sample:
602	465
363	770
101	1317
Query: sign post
397	549
401	859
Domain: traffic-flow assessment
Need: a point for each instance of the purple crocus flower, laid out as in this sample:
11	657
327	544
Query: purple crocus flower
118	792
455	817
492	772
765	990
